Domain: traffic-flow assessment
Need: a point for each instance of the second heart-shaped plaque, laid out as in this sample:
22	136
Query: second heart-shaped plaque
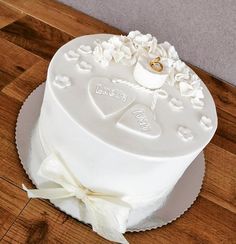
140	120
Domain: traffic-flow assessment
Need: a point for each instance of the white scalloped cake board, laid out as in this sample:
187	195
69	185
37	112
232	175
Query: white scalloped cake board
180	199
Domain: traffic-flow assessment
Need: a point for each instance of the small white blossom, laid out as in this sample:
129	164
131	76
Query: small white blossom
185	133
62	81
206	122
85	49
176	104
72	55
84	66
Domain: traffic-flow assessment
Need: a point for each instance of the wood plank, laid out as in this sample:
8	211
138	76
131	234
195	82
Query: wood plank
204	222
225	136
23	85
224	143
40	222
35	36
226	126
63	17
12	201
9	15
10	166
220	178
13	61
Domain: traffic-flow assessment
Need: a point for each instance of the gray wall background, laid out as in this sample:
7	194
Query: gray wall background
203	31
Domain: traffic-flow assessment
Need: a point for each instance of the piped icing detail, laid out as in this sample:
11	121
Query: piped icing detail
139	120
85	49
109	98
83	66
159	93
185	133
132	84
72	55
62	81
176	104
206	122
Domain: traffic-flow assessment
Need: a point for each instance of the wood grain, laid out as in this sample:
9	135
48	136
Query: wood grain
40	222
60	16
10	167
35	36
220	180
9	15
205	222
30	33
14	60
12	201
223	93
25	83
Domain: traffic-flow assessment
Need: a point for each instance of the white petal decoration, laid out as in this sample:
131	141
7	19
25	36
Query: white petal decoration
206	122
185	133
85	49
71	55
84	66
62	81
185	89
176	104
109	98
197	103
140	120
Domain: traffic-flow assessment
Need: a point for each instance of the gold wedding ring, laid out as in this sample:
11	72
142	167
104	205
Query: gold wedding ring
156	64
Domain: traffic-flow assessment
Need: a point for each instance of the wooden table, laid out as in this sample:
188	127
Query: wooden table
30	33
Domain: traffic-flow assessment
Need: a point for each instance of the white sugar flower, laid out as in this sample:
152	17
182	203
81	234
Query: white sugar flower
102	54
166	50
124	49
186	80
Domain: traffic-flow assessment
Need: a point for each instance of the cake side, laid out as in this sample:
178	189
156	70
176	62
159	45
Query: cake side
143	182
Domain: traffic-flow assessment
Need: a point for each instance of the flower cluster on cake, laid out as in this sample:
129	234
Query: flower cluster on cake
122	119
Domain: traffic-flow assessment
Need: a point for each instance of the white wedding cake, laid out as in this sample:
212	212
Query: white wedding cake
122	119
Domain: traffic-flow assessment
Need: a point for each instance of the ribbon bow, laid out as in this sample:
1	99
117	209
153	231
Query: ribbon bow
107	214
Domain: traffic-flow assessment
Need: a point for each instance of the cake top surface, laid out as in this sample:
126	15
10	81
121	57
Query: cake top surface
134	94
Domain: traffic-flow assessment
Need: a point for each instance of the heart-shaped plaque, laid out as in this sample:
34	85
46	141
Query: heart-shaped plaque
140	120
109	98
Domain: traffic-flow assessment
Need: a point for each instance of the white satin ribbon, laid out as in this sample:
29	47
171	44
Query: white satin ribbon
107	214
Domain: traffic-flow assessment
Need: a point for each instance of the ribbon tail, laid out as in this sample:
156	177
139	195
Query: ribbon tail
49	193
106	222
110	234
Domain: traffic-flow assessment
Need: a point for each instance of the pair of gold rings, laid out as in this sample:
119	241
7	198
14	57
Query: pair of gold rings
156	64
